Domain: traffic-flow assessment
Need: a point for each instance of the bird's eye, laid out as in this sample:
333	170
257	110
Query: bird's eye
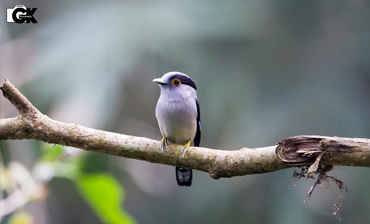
176	82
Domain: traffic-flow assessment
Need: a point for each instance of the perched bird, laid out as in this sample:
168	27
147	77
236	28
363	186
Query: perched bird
178	116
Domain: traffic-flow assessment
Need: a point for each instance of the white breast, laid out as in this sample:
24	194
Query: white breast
177	116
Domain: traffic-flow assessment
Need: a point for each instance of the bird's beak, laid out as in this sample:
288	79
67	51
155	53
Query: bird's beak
159	81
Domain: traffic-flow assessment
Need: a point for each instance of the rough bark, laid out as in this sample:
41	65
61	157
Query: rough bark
294	151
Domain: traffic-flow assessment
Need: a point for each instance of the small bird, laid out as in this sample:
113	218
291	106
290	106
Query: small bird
178	116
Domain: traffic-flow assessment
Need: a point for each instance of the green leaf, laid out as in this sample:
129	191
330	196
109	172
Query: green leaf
104	195
21	218
51	152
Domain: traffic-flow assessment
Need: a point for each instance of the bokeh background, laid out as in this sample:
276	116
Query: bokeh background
265	70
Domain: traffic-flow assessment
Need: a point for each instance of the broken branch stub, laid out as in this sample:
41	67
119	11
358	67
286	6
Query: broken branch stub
302	150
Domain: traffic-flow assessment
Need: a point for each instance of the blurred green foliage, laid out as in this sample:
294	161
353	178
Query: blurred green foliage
104	194
101	191
21	218
51	153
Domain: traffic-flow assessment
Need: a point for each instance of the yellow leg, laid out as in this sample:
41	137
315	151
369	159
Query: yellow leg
163	143
185	148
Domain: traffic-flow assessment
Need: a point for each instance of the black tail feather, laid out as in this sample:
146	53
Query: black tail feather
184	176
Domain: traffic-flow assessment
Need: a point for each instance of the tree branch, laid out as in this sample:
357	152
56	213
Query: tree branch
294	151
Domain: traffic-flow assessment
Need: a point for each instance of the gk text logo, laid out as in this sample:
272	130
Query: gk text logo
20	14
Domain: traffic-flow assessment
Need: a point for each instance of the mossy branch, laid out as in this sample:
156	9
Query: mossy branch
294	151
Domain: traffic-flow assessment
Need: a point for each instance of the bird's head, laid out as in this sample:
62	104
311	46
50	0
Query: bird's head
176	84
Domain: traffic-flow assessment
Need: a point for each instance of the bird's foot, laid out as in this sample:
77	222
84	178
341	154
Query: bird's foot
185	148
163	143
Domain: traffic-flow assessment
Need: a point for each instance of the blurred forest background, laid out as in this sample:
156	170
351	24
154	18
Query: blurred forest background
265	70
